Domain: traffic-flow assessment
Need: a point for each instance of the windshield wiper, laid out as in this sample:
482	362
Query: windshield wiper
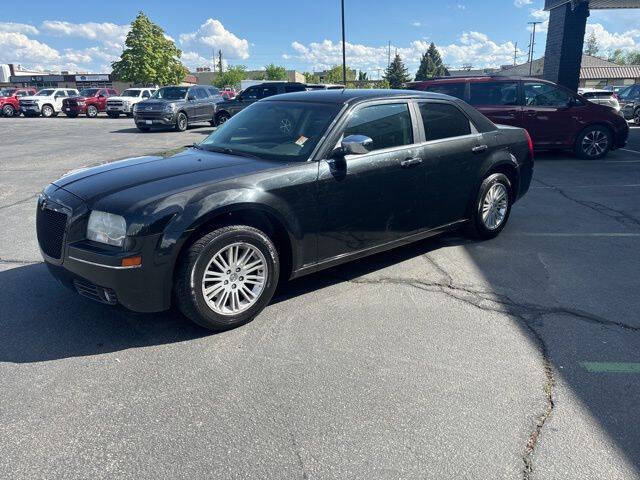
230	151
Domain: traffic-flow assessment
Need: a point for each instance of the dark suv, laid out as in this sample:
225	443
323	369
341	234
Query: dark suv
229	108
555	117
629	99
177	107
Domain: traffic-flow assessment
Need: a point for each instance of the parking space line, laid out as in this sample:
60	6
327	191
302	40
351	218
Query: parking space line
630	151
587	186
611	367
551	234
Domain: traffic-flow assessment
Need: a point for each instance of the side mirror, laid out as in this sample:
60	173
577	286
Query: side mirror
355	145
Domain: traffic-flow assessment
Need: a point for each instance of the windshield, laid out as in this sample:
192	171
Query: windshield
287	131
131	93
88	92
45	93
171	93
624	93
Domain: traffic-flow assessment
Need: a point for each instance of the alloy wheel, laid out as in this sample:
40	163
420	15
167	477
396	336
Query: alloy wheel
182	122
7	111
595	143
494	206
92	111
636	117
47	111
234	279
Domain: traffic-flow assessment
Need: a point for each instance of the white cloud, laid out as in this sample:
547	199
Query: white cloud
213	34
477	49
18	28
90	30
416	24
608	41
17	47
522	3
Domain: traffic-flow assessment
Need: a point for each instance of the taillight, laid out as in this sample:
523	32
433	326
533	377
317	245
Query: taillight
530	143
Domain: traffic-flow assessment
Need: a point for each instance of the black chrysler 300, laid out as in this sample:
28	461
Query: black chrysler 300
291	185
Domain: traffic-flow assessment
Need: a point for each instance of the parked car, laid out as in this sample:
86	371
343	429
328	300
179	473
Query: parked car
555	117
90	101
123	104
252	94
630	103
177	107
324	86
10	100
228	93
601	97
291	185
47	102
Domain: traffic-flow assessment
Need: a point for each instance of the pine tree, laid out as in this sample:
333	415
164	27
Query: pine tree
149	57
397	74
431	65
592	47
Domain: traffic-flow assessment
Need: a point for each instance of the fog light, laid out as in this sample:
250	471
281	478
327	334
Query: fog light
132	262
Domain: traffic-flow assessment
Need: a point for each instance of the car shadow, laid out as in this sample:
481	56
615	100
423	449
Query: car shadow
49	322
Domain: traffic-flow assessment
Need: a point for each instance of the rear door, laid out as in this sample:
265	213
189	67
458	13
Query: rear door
548	115
498	100
452	157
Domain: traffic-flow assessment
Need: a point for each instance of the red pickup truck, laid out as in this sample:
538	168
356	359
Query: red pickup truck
10	100
90	102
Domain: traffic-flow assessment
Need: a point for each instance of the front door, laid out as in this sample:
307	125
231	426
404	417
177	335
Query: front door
373	198
548	115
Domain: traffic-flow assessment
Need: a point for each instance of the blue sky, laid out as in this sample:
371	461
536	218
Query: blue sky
80	36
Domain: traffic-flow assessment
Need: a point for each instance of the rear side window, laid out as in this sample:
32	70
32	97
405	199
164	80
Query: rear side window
443	120
453	89
493	93
294	88
268	91
388	125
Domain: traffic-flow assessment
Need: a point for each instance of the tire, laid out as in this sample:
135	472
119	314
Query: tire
92	111
593	142
182	123
8	111
113	114
636	116
47	111
142	128
481	225
222	117
217	312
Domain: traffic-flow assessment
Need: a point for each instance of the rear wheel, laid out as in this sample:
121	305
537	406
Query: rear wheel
8	111
593	142
492	207
92	111
181	122
222	117
227	277
47	111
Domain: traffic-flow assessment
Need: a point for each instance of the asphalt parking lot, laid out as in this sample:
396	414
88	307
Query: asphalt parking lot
513	358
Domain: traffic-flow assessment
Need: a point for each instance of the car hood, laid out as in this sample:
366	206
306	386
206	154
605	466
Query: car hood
33	97
123	99
157	104
142	179
82	99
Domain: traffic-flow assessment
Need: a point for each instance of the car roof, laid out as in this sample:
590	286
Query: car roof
476	78
353	95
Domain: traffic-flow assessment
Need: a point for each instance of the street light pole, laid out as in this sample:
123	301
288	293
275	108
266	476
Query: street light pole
344	52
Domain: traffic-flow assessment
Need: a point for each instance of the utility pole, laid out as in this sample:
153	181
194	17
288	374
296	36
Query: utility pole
220	61
533	45
515	55
344	51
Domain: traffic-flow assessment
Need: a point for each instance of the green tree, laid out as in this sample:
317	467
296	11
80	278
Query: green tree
431	64
592	48
397	74
275	72
335	74
617	57
149	57
362	76
633	58
311	77
232	77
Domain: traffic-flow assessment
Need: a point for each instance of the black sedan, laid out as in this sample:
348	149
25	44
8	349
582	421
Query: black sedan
293	184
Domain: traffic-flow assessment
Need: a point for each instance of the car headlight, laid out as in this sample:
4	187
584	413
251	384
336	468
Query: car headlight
106	228
169	107
80	102
135	108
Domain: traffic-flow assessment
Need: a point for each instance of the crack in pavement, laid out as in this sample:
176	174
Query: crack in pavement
526	313
618	215
19	202
10	261
296	450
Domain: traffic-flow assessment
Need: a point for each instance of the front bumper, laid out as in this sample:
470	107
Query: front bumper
94	270
74	109
155	119
30	109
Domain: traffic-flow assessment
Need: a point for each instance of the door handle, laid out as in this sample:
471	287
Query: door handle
410	162
479	149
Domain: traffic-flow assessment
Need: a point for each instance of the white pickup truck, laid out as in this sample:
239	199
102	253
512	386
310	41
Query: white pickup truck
47	102
124	103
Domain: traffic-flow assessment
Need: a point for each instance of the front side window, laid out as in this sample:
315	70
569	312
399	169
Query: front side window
544	95
45	93
443	120
88	92
145	94
199	93
494	93
250	94
278	131
452	89
387	124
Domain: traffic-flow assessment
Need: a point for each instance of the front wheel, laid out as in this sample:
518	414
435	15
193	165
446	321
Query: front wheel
92	111
8	111
47	111
492	207
227	277
181	122
593	142
636	116
222	118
